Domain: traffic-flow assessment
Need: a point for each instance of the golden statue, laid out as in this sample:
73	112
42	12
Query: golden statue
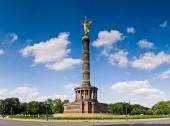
86	25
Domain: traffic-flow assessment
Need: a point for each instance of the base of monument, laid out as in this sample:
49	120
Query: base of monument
85	107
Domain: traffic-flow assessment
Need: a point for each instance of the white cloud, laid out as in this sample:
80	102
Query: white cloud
119	58
71	86
165	74
27	94
106	38
139	92
53	53
106	50
1	52
3	92
60	96
130	30
129	86
13	37
71	97
149	91
145	44
49	51
164	24
150	61
63	64
25	91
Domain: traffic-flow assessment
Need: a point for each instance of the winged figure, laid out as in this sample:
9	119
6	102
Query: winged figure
86	25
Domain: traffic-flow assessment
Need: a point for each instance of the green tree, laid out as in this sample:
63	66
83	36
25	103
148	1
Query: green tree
32	108
22	108
161	108
41	108
49	105
120	108
11	105
138	109
117	108
1	106
57	106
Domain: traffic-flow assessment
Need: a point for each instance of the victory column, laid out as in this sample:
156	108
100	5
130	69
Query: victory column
86	95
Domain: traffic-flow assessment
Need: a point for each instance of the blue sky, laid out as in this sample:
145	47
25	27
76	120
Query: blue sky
41	49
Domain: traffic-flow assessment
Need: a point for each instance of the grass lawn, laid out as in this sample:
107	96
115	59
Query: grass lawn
91	117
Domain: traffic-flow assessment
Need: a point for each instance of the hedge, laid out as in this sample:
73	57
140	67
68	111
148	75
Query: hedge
92	117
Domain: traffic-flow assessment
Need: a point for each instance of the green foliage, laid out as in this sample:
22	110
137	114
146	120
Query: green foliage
119	108
1	106
32	107
23	107
58	106
116	108
107	117
11	105
161	108
137	109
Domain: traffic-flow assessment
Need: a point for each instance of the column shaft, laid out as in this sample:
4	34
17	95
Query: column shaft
86	63
84	94
92	94
81	94
88	94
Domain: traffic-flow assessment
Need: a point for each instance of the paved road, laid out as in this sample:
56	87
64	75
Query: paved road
115	123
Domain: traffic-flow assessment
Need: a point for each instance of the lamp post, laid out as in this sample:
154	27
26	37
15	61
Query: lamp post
11	112
126	108
46	110
3	111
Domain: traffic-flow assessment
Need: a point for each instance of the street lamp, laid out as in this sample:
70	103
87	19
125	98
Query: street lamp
126	108
11	112
46	109
3	112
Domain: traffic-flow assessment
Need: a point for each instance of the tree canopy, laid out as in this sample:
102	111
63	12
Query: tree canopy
122	108
12	106
161	108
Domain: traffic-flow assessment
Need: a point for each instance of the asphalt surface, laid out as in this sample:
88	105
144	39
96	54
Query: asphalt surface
165	122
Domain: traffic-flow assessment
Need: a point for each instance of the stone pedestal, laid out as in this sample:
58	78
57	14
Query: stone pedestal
85	107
